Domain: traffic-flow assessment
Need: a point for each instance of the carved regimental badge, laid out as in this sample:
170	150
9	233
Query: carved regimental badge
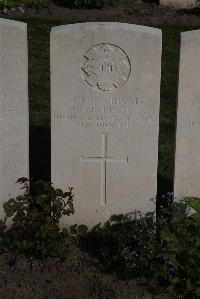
105	67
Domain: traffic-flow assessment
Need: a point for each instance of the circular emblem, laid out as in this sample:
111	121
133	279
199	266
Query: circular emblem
105	67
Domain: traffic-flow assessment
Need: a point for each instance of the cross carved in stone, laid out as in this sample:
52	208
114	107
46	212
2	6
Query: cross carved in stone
104	159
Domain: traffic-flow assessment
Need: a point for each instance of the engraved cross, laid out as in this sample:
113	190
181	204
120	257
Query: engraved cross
104	160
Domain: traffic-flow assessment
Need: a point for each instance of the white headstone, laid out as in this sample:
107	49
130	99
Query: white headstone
180	3
14	108
105	88
187	159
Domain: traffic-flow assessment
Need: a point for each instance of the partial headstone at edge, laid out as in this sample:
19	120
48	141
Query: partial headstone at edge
179	4
105	98
187	156
14	123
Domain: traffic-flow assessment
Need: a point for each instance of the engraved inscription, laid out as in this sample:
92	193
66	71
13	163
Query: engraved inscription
105	67
192	123
11	114
104	159
109	112
2	92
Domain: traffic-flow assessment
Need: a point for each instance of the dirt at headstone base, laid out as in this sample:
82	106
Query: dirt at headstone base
80	276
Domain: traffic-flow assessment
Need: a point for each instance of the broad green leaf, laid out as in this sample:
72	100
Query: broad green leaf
8	209
65	231
73	229
66	194
82	229
167	236
59	192
189	285
193	202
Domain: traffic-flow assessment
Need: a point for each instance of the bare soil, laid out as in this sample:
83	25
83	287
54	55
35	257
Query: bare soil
130	11
80	276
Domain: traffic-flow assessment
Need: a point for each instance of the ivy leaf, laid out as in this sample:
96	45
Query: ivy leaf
65	232
189	285
167	236
59	192
66	212
52	192
194	203
66	194
8	209
82	229
73	229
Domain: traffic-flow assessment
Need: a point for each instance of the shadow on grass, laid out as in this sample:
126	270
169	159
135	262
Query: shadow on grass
64	3
164	185
40	153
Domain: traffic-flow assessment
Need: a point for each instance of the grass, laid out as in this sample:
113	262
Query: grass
39	95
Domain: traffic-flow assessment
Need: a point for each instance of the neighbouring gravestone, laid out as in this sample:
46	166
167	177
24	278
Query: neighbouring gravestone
181	3
14	108
105	89
187	158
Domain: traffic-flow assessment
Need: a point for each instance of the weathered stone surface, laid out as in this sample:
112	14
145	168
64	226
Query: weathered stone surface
180	3
14	107
187	160
105	88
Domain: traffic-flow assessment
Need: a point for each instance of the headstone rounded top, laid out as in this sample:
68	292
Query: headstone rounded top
105	67
11	23
190	37
107	25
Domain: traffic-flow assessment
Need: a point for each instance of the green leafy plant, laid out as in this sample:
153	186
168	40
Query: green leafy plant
35	218
10	3
179	242
166	249
125	243
194	203
37	4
